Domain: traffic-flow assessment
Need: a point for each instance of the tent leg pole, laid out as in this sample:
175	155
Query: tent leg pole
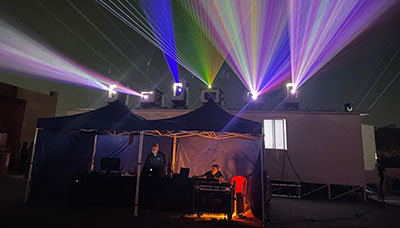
173	155
329	192
364	193
139	167
94	153
28	184
262	181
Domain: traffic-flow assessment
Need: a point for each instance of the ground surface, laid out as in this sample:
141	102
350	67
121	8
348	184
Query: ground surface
308	212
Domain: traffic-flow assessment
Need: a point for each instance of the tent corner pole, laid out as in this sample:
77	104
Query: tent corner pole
173	155
139	167
94	152
28	184
262	177
364	188
329	192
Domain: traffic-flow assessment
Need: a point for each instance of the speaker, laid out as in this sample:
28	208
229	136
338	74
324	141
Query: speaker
213	199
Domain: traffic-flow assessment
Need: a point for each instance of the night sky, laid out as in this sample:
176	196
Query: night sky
345	79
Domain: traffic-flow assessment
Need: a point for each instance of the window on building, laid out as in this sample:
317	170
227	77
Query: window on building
275	136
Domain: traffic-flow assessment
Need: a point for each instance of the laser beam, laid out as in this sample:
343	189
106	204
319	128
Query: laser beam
253	36
23	55
191	45
320	29
159	15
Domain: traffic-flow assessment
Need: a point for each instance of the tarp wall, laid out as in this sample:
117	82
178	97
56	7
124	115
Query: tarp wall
235	156
112	146
59	155
165	147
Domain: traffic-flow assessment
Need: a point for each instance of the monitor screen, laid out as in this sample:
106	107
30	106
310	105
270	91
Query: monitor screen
184	172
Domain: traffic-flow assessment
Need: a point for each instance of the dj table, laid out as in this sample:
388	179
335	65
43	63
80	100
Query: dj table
213	197
97	189
180	194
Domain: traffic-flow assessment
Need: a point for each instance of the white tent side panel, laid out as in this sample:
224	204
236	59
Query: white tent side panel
369	147
323	148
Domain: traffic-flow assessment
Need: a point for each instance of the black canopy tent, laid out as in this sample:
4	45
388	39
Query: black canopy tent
112	118
64	146
209	117
212	122
209	121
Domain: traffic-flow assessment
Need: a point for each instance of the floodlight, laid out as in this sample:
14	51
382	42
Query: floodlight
151	98
112	93
251	97
216	94
179	94
253	100
254	95
177	89
292	97
290	89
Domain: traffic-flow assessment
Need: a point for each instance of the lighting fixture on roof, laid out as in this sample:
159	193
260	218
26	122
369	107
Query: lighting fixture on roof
151	98
253	100
112	93
179	94
216	94
292	98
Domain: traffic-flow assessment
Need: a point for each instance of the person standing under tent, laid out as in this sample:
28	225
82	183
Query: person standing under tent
24	158
155	162
381	173
153	171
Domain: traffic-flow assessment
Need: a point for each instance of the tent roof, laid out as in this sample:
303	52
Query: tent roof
209	117
116	117
112	117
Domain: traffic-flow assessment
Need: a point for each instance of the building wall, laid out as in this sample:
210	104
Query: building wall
323	147
12	112
19	111
38	105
